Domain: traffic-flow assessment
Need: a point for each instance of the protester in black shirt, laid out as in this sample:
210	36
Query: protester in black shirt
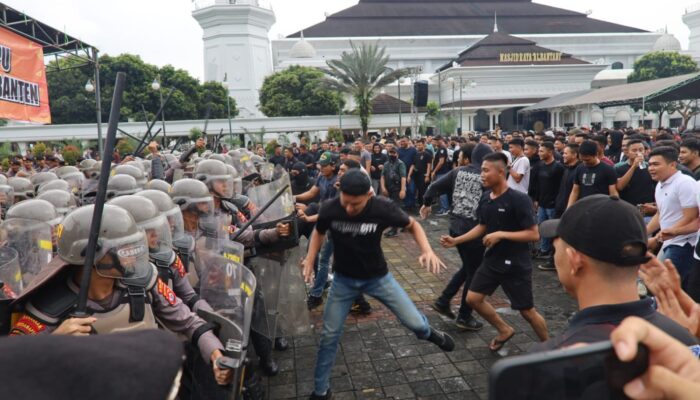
277	158
289	159
689	156
356	220
464	186
634	181
376	166
306	157
545	180
441	166
602	273
419	172
570	162
393	182
506	226
592	176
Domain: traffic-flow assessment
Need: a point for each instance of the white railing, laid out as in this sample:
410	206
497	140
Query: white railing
208	3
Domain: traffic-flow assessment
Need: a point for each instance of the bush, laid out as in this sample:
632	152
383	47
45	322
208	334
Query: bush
195	133
335	135
124	147
71	154
39	150
270	147
5	164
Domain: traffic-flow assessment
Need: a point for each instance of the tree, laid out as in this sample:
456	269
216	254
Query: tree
665	64
70	103
298	91
360	74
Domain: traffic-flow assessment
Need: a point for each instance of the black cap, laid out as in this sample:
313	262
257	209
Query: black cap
604	228
355	183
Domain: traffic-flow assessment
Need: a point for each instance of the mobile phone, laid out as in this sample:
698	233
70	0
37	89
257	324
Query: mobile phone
589	372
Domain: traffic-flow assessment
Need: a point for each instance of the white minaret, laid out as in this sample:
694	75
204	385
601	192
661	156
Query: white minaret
692	20
236	45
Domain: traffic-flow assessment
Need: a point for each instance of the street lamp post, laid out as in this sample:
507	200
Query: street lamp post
90	88
401	81
451	81
155	85
228	110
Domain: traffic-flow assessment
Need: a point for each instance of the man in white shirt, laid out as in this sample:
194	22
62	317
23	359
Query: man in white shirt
519	175
496	144
677	215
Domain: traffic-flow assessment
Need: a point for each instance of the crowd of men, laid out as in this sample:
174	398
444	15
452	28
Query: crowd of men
614	213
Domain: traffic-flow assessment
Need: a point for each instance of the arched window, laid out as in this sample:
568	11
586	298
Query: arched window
618	65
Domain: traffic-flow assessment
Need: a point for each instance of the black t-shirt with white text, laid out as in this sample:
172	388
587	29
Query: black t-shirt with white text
357	250
594	180
509	212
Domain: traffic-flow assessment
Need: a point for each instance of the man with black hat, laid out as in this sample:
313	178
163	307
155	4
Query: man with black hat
602	273
357	220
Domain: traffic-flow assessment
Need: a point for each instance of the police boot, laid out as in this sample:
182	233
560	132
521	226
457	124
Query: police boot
263	348
281	344
253	388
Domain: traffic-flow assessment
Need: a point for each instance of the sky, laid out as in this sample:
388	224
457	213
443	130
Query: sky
164	32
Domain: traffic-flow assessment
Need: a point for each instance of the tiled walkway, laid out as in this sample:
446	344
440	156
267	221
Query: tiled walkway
379	359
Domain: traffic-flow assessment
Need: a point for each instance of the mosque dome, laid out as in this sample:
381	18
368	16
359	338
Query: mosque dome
667	42
302	49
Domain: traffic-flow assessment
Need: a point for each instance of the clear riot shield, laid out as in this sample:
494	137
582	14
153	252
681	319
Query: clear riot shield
281	210
280	309
33	242
214	237
266	171
229	289
245	167
10	286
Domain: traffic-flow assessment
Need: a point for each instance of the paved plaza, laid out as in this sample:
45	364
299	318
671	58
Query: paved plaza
379	359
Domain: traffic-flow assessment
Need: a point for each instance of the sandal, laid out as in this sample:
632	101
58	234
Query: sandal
499	343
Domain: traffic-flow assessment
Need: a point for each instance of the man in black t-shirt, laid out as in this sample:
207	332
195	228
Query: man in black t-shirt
356	220
441	166
634	181
602	273
277	158
592	176
506	226
419	172
545	180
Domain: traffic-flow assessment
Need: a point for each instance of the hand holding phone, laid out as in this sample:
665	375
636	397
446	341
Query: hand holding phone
674	370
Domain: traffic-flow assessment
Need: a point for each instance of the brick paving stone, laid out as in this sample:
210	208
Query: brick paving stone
444	371
399	392
366	381
392	378
426	388
288	391
453	384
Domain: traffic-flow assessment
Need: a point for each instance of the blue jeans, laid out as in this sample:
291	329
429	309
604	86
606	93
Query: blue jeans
323	263
342	294
410	200
682	258
444	200
544	214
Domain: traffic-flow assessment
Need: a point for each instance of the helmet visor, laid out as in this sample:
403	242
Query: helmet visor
75	181
7	196
177	224
125	259
222	185
158	235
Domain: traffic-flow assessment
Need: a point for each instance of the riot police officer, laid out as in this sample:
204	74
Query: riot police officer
125	292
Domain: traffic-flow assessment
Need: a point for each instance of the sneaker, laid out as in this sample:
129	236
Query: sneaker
362	308
327	396
544	255
441	339
442	213
469	324
313	302
546	267
391	233
443	310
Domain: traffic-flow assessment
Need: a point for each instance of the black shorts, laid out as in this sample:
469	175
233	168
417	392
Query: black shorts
517	285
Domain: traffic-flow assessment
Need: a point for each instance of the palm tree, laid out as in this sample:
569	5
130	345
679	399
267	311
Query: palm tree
361	74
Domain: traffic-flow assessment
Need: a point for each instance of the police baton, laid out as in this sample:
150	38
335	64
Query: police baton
262	210
81	308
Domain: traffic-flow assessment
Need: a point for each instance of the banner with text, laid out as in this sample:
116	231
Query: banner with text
23	91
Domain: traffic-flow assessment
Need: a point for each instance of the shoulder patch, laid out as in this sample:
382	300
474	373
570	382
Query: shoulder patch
27	325
166	292
179	267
